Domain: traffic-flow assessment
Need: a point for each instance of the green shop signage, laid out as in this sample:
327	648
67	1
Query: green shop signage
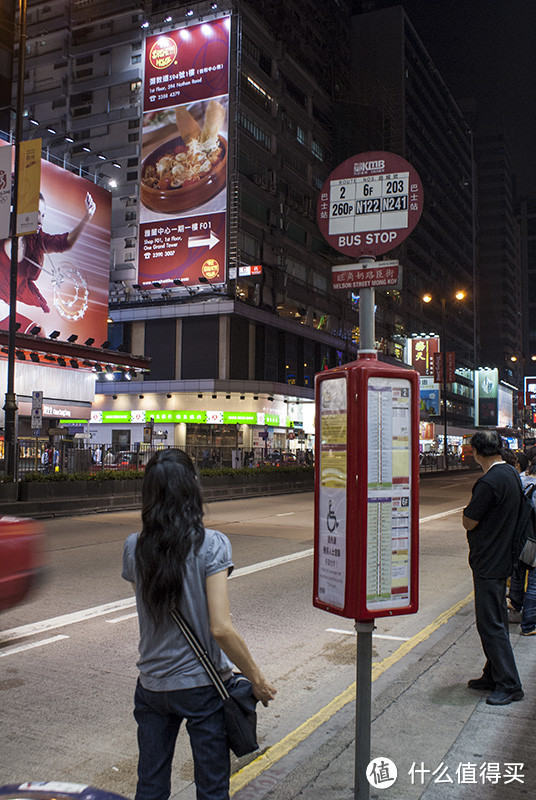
199	417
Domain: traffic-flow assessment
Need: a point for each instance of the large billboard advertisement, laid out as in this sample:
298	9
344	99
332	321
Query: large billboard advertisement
486	384
183	192
63	268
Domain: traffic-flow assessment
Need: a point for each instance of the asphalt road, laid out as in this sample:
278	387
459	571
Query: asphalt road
67	658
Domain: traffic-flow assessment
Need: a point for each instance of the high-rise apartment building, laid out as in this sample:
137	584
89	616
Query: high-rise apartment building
499	260
527	222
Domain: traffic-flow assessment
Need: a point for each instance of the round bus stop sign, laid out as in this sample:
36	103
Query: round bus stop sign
369	204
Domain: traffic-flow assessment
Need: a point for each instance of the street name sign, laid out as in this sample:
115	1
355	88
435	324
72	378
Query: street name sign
382	275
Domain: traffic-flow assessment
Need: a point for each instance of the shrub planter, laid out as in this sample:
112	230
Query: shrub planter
9	492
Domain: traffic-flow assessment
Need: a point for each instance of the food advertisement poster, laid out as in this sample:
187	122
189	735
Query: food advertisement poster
183	191
389	493
332	496
64	268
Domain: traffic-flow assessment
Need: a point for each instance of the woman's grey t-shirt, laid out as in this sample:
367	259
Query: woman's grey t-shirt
167	662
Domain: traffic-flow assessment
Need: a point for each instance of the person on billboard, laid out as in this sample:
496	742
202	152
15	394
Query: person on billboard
31	255
490	521
177	563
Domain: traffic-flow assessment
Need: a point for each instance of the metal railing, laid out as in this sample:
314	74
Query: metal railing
84	456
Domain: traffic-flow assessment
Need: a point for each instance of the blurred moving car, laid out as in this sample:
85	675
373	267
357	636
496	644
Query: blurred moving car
21	559
54	790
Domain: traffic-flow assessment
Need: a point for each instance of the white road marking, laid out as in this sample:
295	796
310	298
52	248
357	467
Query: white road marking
442	514
21	647
273	562
121	619
374	635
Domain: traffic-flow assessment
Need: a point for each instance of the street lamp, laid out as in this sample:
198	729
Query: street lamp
459	295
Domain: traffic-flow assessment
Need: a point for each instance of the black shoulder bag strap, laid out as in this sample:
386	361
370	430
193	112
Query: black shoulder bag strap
201	653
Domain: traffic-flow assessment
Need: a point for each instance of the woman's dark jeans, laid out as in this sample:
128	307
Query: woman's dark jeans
159	716
524	598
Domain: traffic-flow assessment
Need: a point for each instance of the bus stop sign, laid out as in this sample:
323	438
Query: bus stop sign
369	204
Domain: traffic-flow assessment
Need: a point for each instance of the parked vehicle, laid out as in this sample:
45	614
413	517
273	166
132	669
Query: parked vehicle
21	559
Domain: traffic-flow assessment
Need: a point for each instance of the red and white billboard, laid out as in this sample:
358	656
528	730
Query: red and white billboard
369	204
183	191
64	268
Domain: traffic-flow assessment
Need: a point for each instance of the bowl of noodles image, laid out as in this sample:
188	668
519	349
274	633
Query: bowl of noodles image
177	176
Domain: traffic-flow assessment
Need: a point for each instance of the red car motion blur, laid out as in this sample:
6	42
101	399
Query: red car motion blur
21	559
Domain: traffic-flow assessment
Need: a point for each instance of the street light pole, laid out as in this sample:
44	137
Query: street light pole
444	362
10	408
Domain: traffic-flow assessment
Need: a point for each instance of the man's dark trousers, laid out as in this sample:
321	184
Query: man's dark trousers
492	625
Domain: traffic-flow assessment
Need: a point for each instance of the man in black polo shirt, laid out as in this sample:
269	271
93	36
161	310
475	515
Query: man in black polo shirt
489	520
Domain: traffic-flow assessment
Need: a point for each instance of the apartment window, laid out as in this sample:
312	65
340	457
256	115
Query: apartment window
81	111
295	232
84	60
133	162
317	150
130	215
84	73
254	208
135	59
133	137
135	85
133	123
132	176
130	257
293	91
259	133
130	243
301	135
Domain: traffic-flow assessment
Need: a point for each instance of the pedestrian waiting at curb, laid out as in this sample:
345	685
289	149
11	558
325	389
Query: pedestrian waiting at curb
490	520
177	564
521	600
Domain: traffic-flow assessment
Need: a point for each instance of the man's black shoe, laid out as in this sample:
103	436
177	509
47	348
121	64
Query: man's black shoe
502	698
481	684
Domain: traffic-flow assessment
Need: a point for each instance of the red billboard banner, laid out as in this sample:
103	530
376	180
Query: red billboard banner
191	249
438	367
421	353
64	268
183	188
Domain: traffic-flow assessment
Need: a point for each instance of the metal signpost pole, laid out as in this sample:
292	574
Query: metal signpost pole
10	407
367	345
444	363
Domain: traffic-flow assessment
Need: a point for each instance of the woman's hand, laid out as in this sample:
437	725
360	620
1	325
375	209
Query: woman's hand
264	691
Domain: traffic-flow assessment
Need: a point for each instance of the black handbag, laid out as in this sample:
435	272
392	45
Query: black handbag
238	701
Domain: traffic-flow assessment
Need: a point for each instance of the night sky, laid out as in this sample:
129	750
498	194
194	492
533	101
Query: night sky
486	50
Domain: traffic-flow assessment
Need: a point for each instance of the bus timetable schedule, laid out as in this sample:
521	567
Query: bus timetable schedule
369	204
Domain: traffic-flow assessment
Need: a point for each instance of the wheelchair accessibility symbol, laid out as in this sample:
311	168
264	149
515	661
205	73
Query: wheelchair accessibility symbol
331	519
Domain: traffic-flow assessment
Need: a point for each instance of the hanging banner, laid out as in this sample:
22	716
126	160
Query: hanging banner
420	352
28	186
6	154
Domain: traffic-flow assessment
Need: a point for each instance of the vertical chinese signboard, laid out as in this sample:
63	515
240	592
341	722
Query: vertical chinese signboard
183	191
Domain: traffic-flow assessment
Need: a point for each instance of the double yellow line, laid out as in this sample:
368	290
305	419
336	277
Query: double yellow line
278	751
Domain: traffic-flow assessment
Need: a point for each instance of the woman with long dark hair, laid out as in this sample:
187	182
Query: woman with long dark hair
176	563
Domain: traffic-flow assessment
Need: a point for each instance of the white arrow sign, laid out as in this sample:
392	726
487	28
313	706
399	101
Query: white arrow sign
203	241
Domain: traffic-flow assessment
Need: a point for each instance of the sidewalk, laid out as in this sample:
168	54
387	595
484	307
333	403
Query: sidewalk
425	720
